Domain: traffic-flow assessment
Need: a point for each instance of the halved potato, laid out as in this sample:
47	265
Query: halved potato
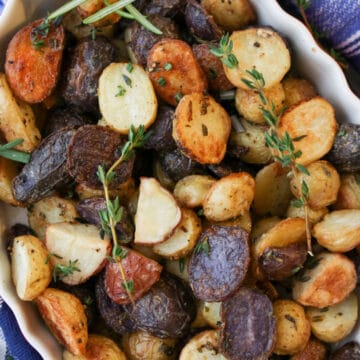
262	226
201	128
8	170
349	192
272	190
339	231
191	190
184	238
314	216
297	89
79	243
157	213
64	314
323	184
334	323
229	197
262	49
243	221
202	346
30	271
126	98
315	120
98	347
293	327
326	284
50	210
17	120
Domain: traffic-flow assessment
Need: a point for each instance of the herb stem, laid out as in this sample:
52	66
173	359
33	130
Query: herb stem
121	13
7	151
142	19
65	8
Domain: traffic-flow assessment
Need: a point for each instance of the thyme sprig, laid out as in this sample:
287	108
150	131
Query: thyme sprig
224	51
113	213
7	151
61	271
283	147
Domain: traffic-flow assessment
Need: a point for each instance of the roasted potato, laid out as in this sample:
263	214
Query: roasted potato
8	171
314	350
349	351
339	231
334	323
244	221
262	226
211	312
349	192
90	7
314	216
297	89
179	268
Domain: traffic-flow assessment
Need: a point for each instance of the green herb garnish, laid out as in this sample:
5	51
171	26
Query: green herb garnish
224	51
7	151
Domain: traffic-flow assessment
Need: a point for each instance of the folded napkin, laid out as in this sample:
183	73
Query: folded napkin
338	20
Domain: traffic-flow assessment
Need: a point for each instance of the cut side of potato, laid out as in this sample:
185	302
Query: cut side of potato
17	120
50	210
229	197
64	314
314	216
202	346
31	273
157	213
211	312
334	323
339	231
314	120
126	98
262	226
79	243
262	49
326	284
201	128
8	171
90	7
244	221
179	268
184	238
297	89
349	192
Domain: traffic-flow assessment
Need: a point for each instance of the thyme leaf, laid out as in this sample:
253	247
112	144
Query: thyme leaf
224	51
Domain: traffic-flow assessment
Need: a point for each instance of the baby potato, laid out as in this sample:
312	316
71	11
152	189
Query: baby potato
334	323
293	327
314	216
323	183
314	350
31	273
272	190
143	346
326	284
249	105
229	197
98	347
50	210
8	170
297	89
191	190
244	221
349	192
339	231
262	226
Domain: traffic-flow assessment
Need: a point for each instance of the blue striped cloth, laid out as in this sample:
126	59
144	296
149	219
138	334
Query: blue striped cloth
338	19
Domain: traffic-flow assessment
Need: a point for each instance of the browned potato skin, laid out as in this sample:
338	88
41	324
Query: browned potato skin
8	170
185	76
32	74
349	192
314	350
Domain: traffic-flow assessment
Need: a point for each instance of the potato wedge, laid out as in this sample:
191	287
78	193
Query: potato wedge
157	214
80	244
202	346
272	190
184	238
323	183
174	70
50	210
126	98
229	197
33	60
349	192
64	314
326	284
293	327
191	190
201	128
262	49
8	170
314	118
98	347
339	231
334	323
314	350
31	273
297	89
17	120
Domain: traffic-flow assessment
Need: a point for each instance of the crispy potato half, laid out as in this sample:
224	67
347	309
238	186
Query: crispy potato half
17	120
349	192
184	238
201	128
339	231
31	273
314	121
293	327
229	197
297	89
64	314
8	170
262	49
98	347
174	70
314	350
326	284
334	323
157	215
314	216
126	97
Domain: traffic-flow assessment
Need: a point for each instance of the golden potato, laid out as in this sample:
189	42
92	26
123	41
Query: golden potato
349	192
8	170
314	216
314	350
297	89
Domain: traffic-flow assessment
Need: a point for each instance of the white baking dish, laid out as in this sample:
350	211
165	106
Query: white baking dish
310	60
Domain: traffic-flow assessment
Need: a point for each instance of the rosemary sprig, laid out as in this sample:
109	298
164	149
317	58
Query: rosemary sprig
65	8
7	151
224	51
113	212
